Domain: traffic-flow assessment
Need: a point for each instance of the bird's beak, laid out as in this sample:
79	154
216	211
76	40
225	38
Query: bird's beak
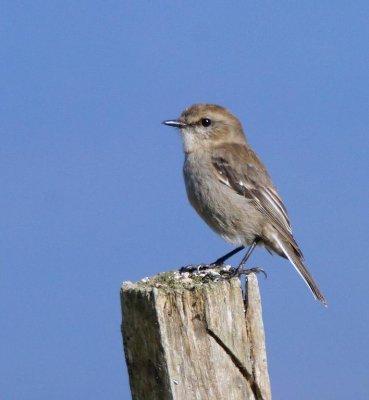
174	123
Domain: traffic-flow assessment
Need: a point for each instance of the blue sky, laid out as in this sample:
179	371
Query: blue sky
92	191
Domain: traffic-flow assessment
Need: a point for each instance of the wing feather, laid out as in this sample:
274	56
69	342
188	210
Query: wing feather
239	168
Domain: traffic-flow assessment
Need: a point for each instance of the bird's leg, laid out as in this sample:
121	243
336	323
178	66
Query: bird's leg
217	263
240	269
221	260
246	257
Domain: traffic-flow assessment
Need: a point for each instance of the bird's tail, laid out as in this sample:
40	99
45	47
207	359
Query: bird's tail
294	255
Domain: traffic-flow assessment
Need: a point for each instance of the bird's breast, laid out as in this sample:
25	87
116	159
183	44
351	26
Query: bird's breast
225	211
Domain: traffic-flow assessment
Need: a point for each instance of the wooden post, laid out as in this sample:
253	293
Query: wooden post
188	339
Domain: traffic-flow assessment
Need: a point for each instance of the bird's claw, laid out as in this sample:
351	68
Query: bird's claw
255	270
224	273
195	267
237	272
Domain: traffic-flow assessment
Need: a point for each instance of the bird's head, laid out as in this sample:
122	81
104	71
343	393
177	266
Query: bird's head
206	125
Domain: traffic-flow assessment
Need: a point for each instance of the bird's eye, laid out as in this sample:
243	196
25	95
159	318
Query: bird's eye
206	122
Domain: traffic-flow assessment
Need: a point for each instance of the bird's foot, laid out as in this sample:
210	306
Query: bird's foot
200	267
237	272
219	271
255	270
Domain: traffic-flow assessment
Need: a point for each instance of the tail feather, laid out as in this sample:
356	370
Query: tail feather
294	255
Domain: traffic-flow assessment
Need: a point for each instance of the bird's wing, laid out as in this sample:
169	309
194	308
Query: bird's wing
238	167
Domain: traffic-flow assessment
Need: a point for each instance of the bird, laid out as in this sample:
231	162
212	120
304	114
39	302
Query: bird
231	190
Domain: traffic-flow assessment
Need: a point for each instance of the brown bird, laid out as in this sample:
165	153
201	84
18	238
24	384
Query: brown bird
231	190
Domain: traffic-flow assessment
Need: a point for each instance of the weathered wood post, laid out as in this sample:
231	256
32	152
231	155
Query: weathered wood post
188	339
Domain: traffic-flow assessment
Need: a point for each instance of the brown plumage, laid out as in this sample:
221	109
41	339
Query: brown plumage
230	188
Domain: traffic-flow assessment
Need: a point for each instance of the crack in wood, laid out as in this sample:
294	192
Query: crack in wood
237	362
